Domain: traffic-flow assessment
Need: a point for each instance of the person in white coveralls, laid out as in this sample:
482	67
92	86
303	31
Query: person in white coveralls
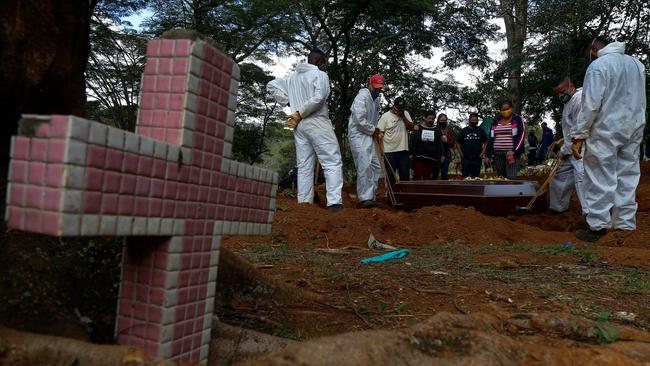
610	126
306	90
362	129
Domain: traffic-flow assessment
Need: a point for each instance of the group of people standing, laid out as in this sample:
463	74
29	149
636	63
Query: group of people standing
425	147
603	122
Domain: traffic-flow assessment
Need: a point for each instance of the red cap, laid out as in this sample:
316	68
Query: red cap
377	81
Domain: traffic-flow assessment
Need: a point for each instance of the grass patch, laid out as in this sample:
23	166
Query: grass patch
635	282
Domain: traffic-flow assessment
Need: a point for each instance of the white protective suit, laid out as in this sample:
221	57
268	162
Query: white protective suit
611	121
306	90
361	126
570	173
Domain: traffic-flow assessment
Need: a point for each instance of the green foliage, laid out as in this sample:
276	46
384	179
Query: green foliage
558	39
115	65
258	118
362	38
636	282
287	157
248	143
115	10
389	37
244	29
603	333
558	32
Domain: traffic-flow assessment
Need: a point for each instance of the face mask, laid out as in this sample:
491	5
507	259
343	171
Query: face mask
442	124
322	67
473	124
375	93
506	113
565	97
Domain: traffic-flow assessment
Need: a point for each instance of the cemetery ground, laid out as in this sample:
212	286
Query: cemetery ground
475	288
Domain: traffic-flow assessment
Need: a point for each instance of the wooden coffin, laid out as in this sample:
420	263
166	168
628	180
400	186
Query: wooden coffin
491	197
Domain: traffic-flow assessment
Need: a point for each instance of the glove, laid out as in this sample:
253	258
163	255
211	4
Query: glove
293	120
576	146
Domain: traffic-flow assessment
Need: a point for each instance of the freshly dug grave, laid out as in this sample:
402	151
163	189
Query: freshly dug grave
461	262
305	282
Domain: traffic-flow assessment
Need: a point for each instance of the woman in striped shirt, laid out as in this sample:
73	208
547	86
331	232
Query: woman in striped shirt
506	141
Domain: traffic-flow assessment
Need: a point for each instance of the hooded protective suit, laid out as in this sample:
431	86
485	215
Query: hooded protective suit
306	90
611	121
570	173
361	126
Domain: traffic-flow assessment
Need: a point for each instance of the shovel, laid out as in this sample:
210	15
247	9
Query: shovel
542	189
382	160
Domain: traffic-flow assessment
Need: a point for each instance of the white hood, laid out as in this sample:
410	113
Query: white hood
614	47
305	67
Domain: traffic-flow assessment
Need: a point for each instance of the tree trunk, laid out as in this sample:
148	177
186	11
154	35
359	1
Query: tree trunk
44	46
23	349
515	16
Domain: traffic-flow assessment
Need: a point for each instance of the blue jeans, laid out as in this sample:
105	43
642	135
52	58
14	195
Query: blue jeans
400	161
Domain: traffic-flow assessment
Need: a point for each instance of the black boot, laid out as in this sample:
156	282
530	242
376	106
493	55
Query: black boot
335	208
367	204
590	235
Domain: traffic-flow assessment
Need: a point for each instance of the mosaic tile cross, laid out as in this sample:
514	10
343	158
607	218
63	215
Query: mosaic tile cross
170	188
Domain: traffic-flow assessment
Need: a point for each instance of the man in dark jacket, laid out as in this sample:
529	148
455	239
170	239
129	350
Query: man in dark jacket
471	145
547	140
427	149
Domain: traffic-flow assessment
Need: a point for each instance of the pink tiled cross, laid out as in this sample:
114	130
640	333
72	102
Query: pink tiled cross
170	188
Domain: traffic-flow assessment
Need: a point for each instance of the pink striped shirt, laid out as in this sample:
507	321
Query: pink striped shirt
503	138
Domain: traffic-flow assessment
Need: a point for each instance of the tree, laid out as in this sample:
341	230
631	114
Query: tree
559	39
556	35
43	52
256	115
113	74
366	37
515	17
244	29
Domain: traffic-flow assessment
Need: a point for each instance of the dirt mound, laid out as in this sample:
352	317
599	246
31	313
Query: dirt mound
477	339
299	224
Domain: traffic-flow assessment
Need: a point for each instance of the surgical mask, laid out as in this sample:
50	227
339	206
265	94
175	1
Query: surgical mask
506	113
375	93
565	97
442	124
473	124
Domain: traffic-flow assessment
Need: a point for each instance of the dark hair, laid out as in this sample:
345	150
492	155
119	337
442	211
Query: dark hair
399	102
315	55
473	114
430	113
600	40
440	115
508	102
561	79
